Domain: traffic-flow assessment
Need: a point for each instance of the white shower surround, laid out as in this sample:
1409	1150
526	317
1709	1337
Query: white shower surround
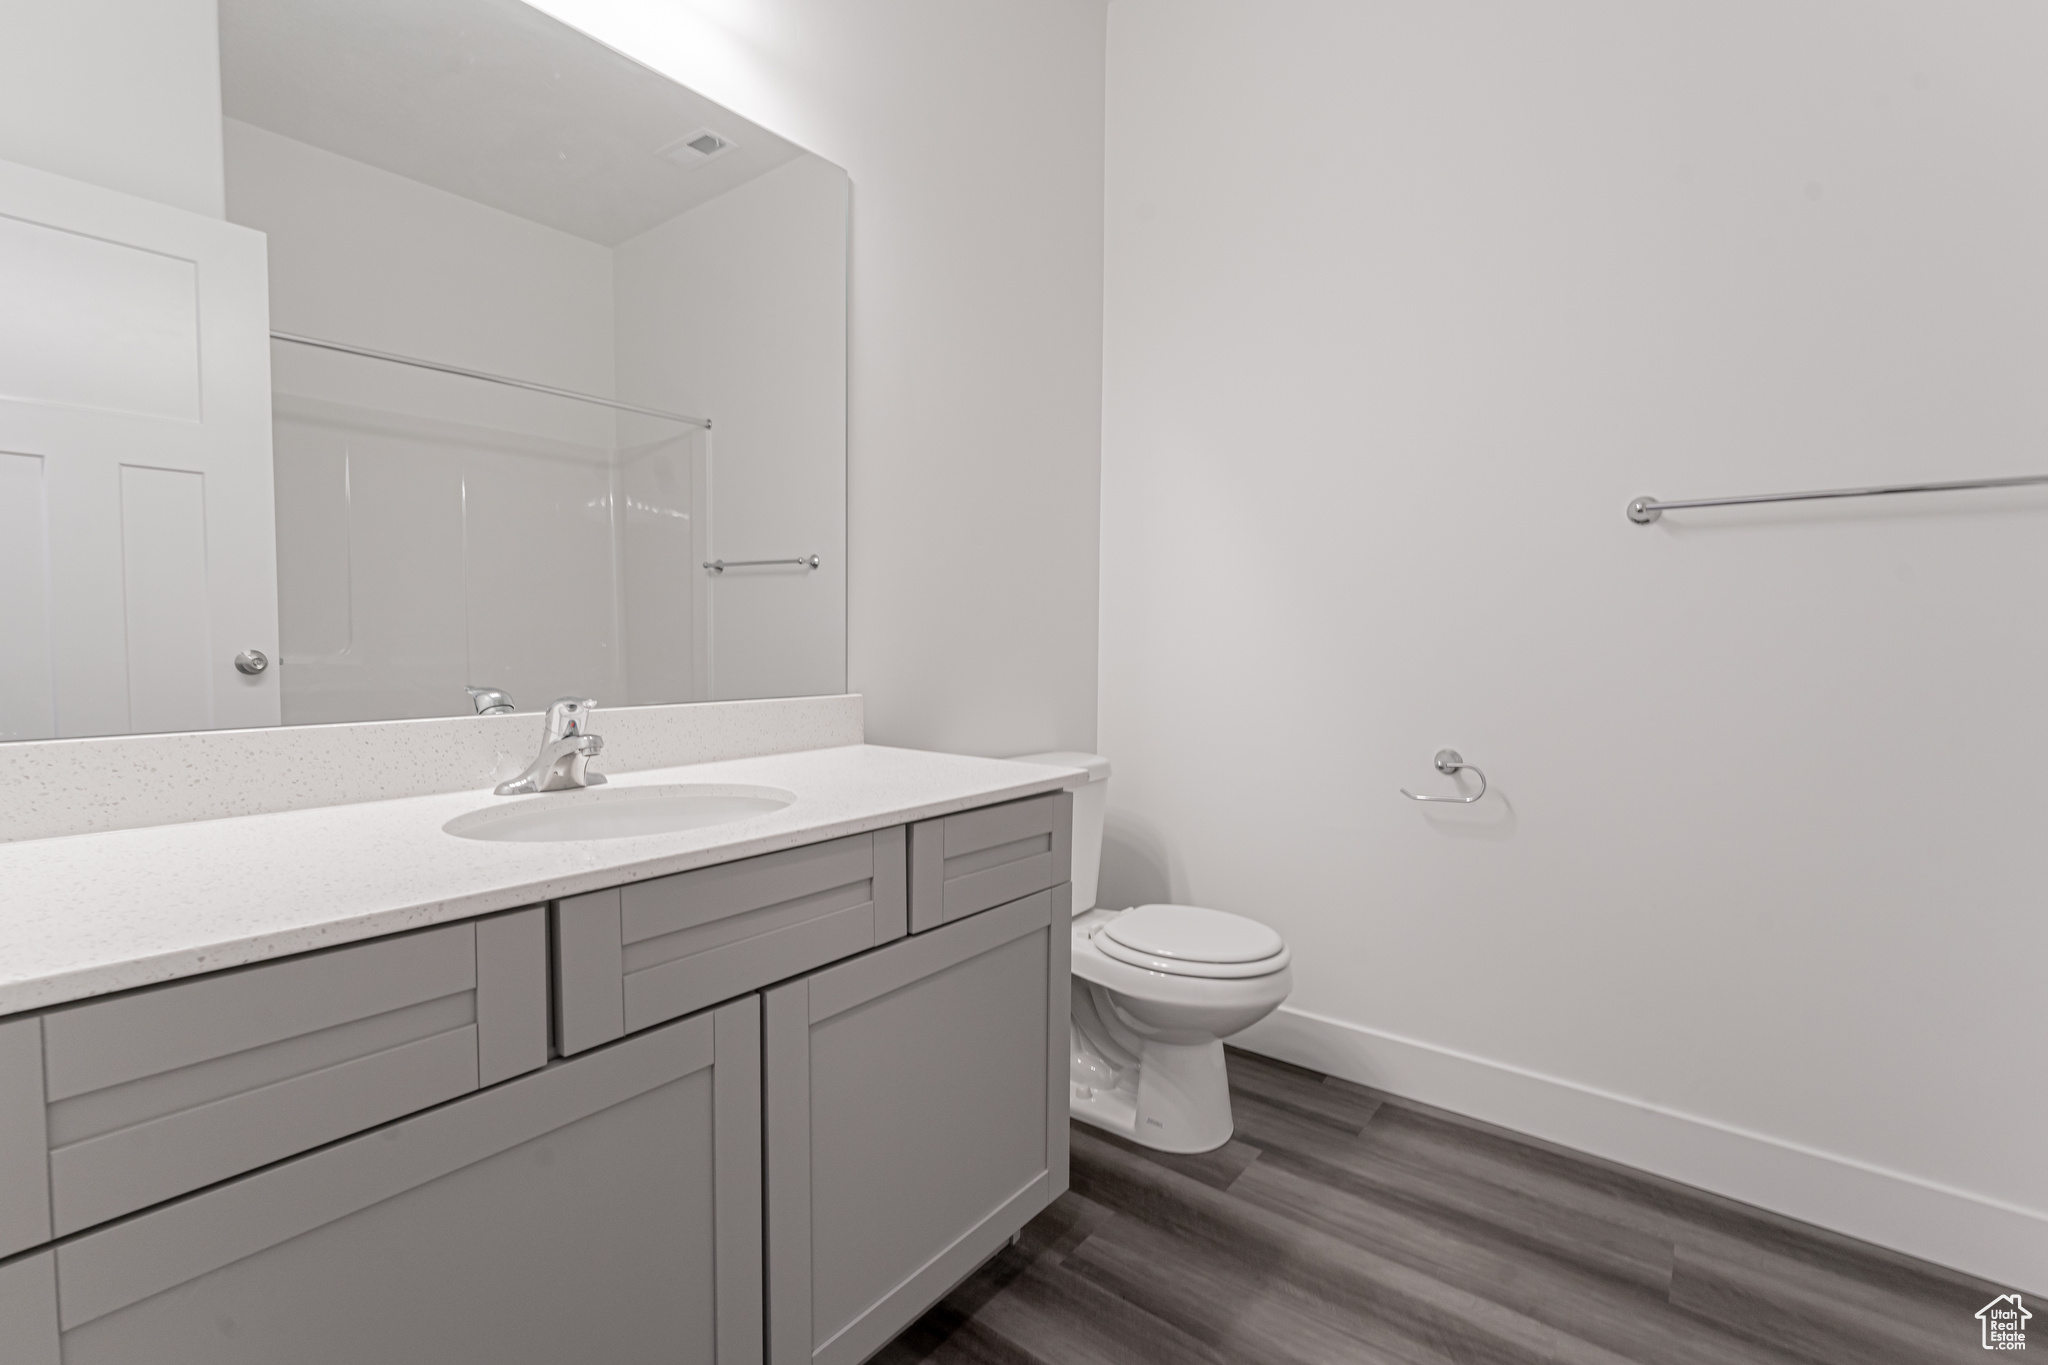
429	526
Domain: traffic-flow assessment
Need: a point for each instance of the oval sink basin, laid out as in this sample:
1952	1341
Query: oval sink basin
615	813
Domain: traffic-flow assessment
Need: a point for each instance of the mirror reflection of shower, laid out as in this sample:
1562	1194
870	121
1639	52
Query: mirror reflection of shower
471	184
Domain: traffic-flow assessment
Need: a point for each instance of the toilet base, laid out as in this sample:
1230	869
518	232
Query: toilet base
1178	1100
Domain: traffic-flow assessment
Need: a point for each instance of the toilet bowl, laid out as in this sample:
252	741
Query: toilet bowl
1156	989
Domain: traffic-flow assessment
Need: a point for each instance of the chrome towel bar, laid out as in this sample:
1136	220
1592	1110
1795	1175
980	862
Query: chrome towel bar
721	565
1643	511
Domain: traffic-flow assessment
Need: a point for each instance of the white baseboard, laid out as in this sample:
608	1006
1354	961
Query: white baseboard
1998	1241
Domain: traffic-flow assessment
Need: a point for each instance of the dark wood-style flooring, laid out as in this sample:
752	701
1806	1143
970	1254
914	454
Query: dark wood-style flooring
1341	1224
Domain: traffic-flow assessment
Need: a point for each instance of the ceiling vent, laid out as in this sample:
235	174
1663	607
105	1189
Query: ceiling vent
694	149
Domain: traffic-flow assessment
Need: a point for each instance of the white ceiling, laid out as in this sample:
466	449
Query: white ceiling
488	99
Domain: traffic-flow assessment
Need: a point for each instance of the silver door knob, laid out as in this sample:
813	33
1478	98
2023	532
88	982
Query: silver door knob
251	662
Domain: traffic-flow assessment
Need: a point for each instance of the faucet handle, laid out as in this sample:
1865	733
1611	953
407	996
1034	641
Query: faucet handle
568	716
490	701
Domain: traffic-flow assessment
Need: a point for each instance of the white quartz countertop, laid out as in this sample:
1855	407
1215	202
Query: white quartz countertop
86	914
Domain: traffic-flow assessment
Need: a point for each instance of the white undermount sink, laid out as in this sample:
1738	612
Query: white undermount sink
616	812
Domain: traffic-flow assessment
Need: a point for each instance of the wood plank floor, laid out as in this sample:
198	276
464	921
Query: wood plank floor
1345	1225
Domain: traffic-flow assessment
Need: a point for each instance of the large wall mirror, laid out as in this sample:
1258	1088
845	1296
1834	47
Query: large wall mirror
557	392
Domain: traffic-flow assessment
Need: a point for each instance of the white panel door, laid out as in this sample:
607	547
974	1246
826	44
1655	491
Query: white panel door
137	550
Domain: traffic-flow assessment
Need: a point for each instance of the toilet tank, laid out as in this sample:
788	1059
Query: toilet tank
1090	801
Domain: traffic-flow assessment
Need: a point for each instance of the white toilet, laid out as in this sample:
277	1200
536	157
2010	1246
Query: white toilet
1156	990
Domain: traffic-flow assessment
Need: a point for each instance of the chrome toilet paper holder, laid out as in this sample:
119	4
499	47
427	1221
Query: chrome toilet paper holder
1450	763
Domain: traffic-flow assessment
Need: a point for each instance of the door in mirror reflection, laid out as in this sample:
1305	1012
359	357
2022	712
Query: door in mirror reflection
135	476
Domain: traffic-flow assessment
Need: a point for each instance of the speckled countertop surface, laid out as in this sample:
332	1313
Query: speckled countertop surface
87	914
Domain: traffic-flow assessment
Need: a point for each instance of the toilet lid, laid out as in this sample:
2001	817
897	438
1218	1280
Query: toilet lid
1188	940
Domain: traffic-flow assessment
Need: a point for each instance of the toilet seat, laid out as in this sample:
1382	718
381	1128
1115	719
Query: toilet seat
1176	989
1192	941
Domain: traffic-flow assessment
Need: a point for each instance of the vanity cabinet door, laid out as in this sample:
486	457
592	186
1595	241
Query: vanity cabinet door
635	956
162	1091
24	1143
963	864
605	1209
28	1311
917	1117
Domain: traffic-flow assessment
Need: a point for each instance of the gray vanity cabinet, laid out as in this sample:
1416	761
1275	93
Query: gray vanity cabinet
916	1118
113	1105
963	864
793	1099
606	1208
634	956
28	1310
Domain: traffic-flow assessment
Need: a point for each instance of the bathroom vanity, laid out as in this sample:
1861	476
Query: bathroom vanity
314	1049
763	1090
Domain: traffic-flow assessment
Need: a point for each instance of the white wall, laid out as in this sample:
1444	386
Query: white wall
121	94
973	136
1404	302
360	255
736	311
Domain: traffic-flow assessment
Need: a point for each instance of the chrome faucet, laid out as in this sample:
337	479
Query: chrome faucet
564	750
491	701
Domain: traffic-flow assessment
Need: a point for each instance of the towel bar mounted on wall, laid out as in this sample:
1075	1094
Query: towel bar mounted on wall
1643	511
1450	763
721	565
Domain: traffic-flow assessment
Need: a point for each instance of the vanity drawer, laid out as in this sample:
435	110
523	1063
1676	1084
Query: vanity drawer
161	1091
979	859
635	956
